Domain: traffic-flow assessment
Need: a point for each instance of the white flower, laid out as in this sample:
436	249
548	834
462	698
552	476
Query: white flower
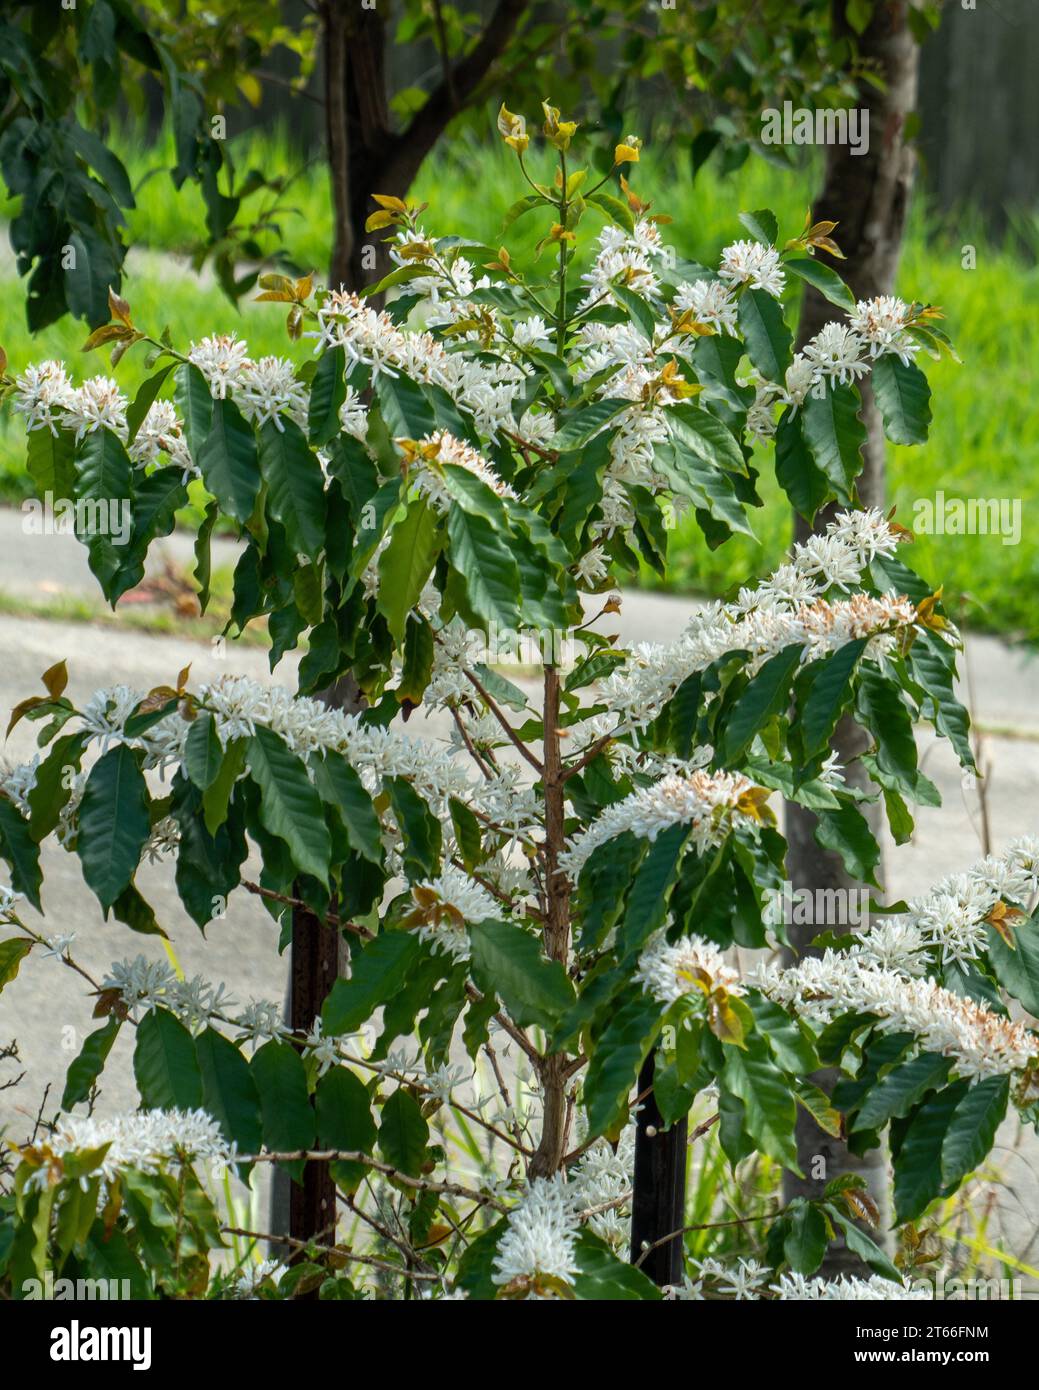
267	389
8	898
801	376
323	1049
353	415
97	404
604	1174
145	1141
881	324
106	712
831	774
42	393
248	1281
428	457
668	970
162	432
530	332
592	568
708	802
220	358
56	945
836	353
444	906
846	1288
745	1281
709	302
539	1245
981	1043
262	1019
142	984
752	263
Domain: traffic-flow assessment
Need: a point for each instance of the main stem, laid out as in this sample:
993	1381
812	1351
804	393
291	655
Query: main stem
556	932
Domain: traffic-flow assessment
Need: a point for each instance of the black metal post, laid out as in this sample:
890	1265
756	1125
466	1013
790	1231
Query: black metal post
658	1205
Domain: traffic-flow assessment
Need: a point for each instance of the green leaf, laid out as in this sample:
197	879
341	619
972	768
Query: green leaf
578	428
616	1060
204	554
113	823
341	787
296	486
327	394
12	952
21	852
203	751
403	1133
344	1121
835	436
218	794
769	1109
640	312
646	905
895	1094
762	225
970	1136
290	808
229	1091
765	696
847	833
1017	967
423	838
792	1050
805	485
377	973
288	1116
860	1244
824	279
904	398
709	439
87	1067
405	564
765	333
50	460
228	461
194	401
603	1278
147	394
827	684
918	1164
165	1065
806	1238
509	962
486	564
405	407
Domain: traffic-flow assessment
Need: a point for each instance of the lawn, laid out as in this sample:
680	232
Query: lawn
985	436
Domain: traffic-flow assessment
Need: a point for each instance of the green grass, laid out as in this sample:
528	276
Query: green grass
984	439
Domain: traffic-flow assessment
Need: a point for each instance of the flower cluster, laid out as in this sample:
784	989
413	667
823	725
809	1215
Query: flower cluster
784	608
443	908
952	921
536	1255
669	970
145	1140
710	803
748	1281
981	1043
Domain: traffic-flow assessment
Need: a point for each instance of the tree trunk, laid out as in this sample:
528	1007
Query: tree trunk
365	154
868	196
319	956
